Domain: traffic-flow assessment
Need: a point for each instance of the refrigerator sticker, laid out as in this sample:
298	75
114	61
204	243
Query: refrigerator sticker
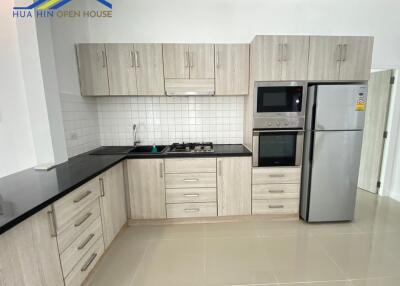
360	105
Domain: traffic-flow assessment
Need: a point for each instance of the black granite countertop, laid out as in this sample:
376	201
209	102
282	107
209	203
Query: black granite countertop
27	192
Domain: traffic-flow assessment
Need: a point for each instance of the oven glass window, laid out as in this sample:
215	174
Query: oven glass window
277	149
279	99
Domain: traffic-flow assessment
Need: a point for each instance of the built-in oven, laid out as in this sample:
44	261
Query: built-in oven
279	104
273	148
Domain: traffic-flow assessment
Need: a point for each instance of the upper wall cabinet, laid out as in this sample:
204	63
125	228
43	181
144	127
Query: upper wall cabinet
92	64
232	69
188	61
340	58
279	58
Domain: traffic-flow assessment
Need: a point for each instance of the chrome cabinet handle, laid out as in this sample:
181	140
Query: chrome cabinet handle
280	47
191	180
186	60
344	52
137	61
103	54
277	175
161	170
339	51
192	210
285	52
194	195
77	200
276	191
217	60
88	262
52	221
132	59
191	60
85	242
82	220
275	206
102	193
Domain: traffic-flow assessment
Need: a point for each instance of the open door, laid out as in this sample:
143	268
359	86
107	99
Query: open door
379	89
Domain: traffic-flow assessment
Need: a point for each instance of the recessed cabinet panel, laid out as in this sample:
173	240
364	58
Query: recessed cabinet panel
92	64
232	69
121	69
176	61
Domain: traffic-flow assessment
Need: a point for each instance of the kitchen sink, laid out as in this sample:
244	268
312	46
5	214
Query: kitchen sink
148	149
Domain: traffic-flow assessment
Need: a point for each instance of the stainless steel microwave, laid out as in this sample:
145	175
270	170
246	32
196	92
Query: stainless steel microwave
279	104
273	148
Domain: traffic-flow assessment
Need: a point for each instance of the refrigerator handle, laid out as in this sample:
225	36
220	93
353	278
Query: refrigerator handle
314	110
311	154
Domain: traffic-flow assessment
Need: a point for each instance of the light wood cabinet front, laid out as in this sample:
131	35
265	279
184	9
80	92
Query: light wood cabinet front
295	57
29	254
266	58
201	59
232	69
234	186
92	64
146	188
112	202
324	59
149	69
121	69
176	61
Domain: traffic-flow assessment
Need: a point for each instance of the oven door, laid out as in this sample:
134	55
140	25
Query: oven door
277	148
280	99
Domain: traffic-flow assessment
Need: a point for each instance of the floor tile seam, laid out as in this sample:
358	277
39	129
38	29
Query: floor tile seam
150	241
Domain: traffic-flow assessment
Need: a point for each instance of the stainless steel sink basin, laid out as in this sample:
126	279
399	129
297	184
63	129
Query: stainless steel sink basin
148	149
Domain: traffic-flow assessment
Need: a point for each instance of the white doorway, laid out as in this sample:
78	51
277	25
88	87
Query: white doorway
375	134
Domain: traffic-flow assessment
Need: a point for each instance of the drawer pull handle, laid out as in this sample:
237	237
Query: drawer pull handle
276	191
191	195
277	175
53	226
87	264
102	193
193	210
83	244
276	206
191	180
80	222
77	200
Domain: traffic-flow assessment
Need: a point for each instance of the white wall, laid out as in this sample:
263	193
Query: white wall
16	143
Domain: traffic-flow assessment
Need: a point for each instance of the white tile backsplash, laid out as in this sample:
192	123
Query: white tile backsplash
164	120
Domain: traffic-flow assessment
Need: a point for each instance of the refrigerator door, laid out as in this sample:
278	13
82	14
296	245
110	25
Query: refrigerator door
334	175
340	107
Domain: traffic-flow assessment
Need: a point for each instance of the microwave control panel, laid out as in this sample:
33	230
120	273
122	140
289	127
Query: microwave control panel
279	123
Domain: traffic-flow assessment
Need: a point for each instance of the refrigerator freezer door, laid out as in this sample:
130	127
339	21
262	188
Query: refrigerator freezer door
334	175
340	107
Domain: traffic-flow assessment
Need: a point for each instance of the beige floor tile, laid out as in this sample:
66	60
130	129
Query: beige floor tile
385	281
237	261
327	283
172	262
230	229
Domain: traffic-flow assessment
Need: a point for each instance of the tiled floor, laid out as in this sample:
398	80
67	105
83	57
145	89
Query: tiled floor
365	252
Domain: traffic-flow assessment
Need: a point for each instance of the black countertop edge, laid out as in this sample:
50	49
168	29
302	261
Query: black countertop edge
222	150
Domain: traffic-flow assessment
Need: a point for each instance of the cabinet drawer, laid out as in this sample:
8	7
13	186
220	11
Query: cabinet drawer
73	254
193	195
191	210
283	206
276	175
276	191
69	206
190	165
77	225
191	180
86	264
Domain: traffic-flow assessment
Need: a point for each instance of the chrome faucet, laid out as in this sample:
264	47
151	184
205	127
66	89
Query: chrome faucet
134	129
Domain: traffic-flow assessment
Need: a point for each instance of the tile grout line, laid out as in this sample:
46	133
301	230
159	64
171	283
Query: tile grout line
150	241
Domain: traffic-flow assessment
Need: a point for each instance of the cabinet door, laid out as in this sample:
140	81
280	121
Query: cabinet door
324	58
295	57
234	186
146	188
176	60
113	204
121	69
149	69
266	58
201	61
356	58
92	65
29	254
232	69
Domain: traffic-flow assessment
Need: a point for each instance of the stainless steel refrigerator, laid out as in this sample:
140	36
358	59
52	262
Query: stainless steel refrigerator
333	139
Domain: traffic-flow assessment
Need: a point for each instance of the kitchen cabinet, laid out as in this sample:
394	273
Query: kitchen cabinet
92	64
340	58
146	188
279	58
121	69
234	185
232	69
112	202
29	254
176	60
201	61
149	69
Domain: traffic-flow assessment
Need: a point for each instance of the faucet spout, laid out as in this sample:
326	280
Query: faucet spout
134	129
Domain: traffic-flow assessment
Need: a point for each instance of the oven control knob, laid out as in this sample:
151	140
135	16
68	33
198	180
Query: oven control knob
286	123
269	123
278	123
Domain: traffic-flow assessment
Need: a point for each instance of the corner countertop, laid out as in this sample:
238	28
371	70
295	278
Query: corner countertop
27	192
